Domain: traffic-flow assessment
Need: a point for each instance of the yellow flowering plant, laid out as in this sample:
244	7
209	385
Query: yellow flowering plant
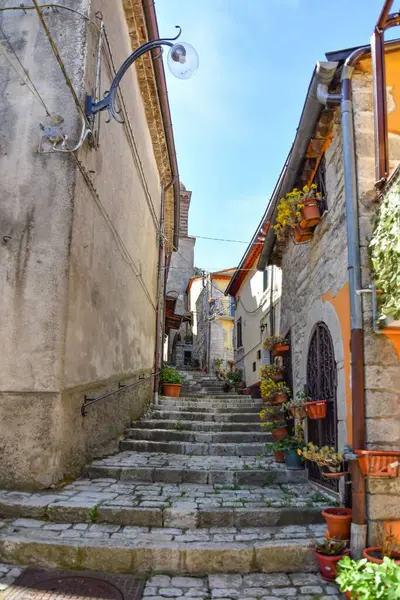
289	208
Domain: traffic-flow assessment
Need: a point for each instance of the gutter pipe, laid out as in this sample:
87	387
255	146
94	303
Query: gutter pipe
152	28
323	73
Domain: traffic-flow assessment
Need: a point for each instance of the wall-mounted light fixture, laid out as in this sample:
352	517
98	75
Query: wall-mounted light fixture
262	327
183	62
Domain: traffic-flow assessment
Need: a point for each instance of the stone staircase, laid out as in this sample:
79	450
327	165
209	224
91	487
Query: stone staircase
192	491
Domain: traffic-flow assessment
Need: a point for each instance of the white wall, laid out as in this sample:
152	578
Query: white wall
253	307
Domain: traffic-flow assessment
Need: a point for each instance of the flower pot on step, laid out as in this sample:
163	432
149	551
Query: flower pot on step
302	236
172	389
327	564
277	377
338	521
278	398
316	409
280	433
293	460
378	463
310	214
279	456
374	555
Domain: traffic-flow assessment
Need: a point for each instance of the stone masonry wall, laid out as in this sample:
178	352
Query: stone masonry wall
382	366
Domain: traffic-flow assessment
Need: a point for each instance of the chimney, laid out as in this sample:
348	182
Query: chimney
185	205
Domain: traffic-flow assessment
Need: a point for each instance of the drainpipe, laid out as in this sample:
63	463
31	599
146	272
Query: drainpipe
358	526
160	305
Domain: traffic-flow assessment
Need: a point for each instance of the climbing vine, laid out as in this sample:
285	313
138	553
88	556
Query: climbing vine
385	254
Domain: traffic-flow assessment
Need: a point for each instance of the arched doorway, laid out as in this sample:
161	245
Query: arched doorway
322	385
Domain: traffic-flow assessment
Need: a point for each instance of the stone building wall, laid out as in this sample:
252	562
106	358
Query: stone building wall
315	289
79	268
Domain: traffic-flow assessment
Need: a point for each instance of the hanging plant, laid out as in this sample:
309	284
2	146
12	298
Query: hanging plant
272	340
385	254
298	207
274	372
276	392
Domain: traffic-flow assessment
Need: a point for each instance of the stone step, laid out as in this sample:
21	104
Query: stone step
168	504
174	468
208	405
209	410
194	448
166	435
115	549
218	417
195	425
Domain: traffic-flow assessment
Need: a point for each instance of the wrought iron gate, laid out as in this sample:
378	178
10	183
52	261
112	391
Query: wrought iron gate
322	384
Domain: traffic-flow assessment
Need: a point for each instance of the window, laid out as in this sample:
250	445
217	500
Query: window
259	354
265	278
254	367
239	339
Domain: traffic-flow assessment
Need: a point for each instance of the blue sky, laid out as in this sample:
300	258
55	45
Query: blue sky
235	120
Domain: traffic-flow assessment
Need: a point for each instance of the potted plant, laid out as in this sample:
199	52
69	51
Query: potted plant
362	580
276	393
293	458
338	521
388	547
171	382
278	429
217	364
273	371
316	409
328	554
226	387
277	449
296	405
276	343
328	459
299	210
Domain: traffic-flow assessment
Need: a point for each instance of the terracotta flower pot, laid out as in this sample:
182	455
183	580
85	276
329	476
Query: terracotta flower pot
393	528
279	398
280	349
377	463
301	236
279	456
277	377
368	553
316	409
338	521
280	433
173	390
310	213
327	564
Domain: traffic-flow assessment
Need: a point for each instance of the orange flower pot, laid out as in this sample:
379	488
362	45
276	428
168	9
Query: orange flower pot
368	554
301	236
276	378
279	398
173	390
393	528
279	456
280	349
310	213
377	463
280	434
338	521
316	409
327	564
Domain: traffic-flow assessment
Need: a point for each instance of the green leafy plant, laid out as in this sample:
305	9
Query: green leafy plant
217	363
272	425
170	375
271	340
296	403
384	251
94	513
365	580
331	546
326	456
235	376
179	426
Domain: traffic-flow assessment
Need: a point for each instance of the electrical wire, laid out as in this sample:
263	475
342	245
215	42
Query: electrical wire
33	90
203	237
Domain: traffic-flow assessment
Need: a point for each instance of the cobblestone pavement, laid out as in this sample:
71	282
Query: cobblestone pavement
8	574
42	530
111	492
256	586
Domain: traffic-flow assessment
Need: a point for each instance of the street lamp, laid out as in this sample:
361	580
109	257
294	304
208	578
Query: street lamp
183	62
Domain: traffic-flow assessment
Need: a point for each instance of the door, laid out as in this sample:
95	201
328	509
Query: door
322	384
